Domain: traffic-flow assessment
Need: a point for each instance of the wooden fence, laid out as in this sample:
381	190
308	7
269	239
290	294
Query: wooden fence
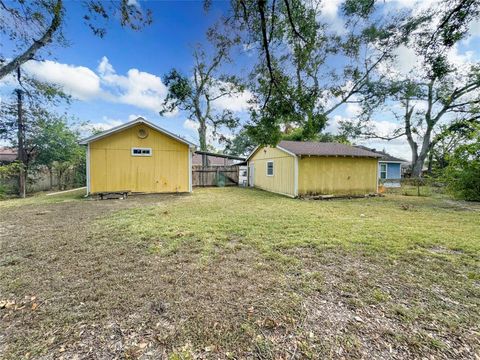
215	176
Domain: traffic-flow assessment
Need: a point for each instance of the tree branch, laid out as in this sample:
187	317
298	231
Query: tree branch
263	24
37	44
357	86
387	138
292	24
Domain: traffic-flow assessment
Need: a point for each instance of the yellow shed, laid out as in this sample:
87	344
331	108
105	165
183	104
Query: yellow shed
138	156
296	168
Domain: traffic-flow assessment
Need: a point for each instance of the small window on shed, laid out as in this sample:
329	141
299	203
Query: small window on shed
269	168
141	152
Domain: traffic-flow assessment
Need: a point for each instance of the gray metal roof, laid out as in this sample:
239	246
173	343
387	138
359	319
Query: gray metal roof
314	148
384	156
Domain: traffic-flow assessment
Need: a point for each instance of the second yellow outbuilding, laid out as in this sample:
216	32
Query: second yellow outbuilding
296	168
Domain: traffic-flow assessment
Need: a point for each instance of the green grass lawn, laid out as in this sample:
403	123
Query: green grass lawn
241	273
42	198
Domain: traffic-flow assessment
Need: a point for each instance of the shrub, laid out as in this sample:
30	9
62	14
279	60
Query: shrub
462	175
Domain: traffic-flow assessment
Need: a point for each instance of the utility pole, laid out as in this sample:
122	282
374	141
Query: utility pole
20	140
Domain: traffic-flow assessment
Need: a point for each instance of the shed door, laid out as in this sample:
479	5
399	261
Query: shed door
251	172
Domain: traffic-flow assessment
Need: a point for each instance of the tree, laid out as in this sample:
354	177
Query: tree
446	144
32	25
20	118
294	82
436	98
241	144
56	147
197	94
298	135
7	171
463	171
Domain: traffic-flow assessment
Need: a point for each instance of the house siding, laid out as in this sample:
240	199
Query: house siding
393	170
283	179
337	175
113	168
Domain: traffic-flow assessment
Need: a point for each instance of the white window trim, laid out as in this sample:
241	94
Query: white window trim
386	171
273	168
139	148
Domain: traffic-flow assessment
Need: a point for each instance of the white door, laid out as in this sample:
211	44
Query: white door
251	170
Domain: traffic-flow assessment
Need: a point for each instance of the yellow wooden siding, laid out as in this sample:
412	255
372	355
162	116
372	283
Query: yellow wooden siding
337	175
282	181
113	168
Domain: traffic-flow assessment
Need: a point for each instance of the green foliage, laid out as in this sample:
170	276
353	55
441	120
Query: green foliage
55	142
57	148
196	94
294	81
241	144
361	8
449	94
463	171
298	135
179	90
8	171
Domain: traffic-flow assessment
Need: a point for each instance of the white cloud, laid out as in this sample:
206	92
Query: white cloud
78	81
212	138
353	109
461	60
133	3
105	68
407	60
330	13
190	125
383	127
333	124
235	103
132	117
330	8
399	149
417	6
105	123
136	88
474	31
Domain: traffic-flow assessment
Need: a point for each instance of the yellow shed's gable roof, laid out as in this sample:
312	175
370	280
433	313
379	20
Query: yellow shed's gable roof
129	124
254	151
315	148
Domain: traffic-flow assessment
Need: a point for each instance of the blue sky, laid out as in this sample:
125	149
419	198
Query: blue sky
167	43
114	79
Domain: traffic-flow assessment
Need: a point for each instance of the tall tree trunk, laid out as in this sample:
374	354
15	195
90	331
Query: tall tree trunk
50	172
419	160
422	156
202	135
430	161
21	145
417	167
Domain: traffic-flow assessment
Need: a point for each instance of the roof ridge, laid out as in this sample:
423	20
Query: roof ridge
131	123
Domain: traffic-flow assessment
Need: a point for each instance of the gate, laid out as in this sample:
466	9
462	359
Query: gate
215	176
